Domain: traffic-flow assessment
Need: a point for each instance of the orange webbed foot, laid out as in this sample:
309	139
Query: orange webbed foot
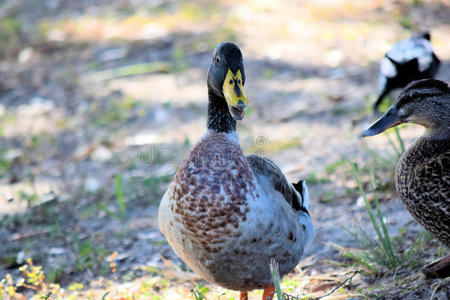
268	293
243	296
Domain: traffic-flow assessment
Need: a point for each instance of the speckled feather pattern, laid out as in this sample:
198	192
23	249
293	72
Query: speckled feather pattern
423	182
226	221
212	184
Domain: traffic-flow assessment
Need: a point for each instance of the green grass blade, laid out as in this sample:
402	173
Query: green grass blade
360	261
366	202
399	139
391	142
276	278
386	241
119	196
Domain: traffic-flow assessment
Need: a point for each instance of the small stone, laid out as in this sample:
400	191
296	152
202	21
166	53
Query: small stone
91	184
113	54
25	55
56	251
101	153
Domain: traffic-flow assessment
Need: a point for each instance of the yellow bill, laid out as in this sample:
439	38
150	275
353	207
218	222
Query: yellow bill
234	94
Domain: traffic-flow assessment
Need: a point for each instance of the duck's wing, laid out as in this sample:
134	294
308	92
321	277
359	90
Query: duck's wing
295	194
433	179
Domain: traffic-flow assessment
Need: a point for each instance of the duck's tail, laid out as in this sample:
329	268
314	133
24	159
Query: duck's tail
302	189
305	218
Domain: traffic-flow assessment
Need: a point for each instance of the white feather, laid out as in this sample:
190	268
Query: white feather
305	218
305	195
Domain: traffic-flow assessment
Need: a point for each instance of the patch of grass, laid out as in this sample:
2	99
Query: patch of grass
339	110
10	32
132	70
407	22
328	197
200	291
315	178
268	73
55	274
225	33
264	145
29	198
380	251
154	182
398	148
332	167
113	111
180	61
194	13
89	256
142	190
384	106
4	162
119	197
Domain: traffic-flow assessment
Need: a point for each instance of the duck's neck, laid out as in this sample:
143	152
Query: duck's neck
438	132
219	117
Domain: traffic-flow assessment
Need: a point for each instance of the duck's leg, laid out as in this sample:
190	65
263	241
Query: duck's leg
438	269
268	293
244	296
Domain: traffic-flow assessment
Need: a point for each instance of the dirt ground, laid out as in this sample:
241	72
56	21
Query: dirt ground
100	100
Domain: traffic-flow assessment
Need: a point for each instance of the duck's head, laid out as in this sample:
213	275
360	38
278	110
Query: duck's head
226	78
425	102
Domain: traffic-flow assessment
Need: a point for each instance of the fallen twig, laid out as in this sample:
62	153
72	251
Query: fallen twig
340	284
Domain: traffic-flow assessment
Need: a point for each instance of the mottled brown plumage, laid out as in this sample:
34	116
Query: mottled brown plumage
422	179
226	215
422	176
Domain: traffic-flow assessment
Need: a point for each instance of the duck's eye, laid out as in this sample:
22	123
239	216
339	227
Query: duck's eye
217	59
239	81
231	81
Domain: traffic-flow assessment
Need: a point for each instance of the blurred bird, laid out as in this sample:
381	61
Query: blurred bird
408	60
225	214
422	176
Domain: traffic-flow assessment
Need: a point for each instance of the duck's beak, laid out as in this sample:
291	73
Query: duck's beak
389	119
233	90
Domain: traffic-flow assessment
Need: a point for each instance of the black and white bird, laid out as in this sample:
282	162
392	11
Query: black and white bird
406	61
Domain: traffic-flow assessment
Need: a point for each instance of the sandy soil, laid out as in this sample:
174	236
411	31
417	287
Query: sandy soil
91	90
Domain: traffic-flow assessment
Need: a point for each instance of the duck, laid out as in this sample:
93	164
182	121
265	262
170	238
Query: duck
422	174
225	214
408	60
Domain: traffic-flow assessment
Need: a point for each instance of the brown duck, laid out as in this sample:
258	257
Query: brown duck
226	214
422	175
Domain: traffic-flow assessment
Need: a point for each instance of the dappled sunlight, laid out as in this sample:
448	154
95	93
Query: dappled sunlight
165	88
101	100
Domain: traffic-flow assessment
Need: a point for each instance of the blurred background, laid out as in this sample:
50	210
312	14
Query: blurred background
101	100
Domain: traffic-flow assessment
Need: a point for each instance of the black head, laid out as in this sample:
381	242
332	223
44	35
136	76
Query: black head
425	102
226	78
